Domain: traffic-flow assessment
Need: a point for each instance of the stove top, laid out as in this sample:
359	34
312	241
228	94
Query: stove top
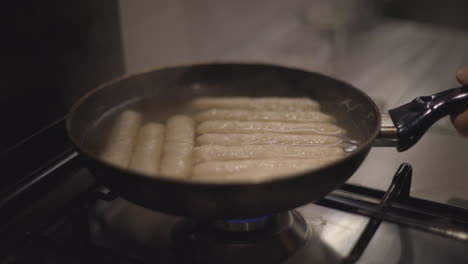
65	217
327	235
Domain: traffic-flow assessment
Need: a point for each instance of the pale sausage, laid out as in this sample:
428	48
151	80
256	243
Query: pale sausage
119	146
146	156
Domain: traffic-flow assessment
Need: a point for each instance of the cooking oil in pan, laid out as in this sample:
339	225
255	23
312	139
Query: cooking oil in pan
234	155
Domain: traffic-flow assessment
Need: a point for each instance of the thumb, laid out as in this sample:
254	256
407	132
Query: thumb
460	121
462	75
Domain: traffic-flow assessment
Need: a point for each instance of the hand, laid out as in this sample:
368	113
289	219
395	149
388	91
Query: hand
461	121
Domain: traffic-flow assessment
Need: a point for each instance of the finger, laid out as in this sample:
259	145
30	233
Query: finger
462	75
460	122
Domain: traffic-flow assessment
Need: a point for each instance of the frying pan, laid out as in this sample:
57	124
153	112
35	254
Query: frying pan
156	90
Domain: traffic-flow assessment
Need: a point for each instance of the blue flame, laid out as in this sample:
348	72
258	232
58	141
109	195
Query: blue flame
250	220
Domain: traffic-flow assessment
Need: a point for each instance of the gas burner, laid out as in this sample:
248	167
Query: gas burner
148	235
244	225
268	239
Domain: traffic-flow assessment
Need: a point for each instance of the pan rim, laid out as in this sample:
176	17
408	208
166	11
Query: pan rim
75	106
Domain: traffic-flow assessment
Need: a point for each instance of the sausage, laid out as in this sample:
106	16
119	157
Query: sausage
243	127
267	138
252	115
263	103
215	152
258	169
178	145
251	175
149	145
119	146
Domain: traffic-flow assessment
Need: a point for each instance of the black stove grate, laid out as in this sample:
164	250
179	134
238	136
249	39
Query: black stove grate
399	187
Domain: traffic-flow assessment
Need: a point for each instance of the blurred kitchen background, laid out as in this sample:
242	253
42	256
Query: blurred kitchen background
394	50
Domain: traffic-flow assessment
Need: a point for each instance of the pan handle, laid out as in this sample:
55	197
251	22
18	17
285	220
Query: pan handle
413	119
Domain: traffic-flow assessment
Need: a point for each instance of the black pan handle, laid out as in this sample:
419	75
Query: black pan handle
413	119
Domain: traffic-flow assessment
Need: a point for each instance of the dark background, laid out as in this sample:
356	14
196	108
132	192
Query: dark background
53	51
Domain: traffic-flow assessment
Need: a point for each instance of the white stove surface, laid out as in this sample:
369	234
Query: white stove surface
390	244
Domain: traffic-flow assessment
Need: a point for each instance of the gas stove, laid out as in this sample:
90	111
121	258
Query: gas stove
59	214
